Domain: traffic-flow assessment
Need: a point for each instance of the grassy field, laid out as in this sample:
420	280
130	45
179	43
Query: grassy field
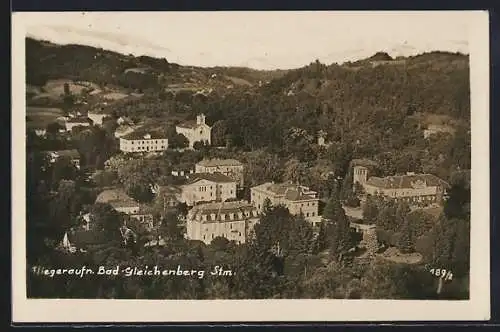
42	116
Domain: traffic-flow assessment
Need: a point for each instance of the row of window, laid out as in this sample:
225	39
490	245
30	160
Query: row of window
147	142
222	216
212	236
149	149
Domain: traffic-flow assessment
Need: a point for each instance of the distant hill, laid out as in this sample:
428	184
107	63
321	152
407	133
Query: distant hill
47	61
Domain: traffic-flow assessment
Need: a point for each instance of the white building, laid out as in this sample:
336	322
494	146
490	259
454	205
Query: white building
77	122
196	131
206	187
229	167
232	220
416	189
140	142
298	199
96	117
122	202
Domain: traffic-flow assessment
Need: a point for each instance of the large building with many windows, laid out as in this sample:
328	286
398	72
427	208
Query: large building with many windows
207	187
143	142
231	220
416	189
298	199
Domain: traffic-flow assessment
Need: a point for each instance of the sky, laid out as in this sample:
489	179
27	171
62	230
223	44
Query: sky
260	40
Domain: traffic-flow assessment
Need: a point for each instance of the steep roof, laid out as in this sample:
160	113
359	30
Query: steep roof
191	124
73	153
79	120
219	208
406	181
291	192
116	198
213	177
219	162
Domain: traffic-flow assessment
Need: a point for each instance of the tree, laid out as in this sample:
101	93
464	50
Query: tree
53	128
104	218
178	141
170	226
338	231
370	210
65	206
406	241
66	89
386	219
62	169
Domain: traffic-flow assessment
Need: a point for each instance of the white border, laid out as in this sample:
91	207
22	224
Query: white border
477	308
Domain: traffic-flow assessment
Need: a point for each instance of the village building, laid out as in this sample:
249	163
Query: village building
322	135
434	129
206	187
77	122
96	117
143	142
229	167
416	189
123	120
72	155
196	131
231	220
296	198
80	240
123	203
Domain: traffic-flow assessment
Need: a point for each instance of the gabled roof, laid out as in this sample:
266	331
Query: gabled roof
79	120
213	177
406	181
116	198
291	192
191	124
219	162
73	153
223	207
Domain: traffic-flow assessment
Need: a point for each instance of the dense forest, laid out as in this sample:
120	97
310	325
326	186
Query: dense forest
270	121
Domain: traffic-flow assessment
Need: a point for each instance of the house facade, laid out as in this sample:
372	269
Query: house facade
149	142
416	189
195	131
77	122
96	117
123	203
298	199
231	220
229	167
206	187
72	154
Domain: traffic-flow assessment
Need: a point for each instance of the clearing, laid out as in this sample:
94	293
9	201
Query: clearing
394	255
42	116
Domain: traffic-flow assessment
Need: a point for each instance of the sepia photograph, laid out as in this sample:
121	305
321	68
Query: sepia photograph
334	161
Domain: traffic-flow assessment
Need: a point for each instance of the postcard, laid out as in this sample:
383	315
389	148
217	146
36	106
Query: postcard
250	166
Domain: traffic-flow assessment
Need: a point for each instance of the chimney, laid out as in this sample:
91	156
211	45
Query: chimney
147	136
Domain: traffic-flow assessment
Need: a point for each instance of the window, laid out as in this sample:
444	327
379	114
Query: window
312	214
307	214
